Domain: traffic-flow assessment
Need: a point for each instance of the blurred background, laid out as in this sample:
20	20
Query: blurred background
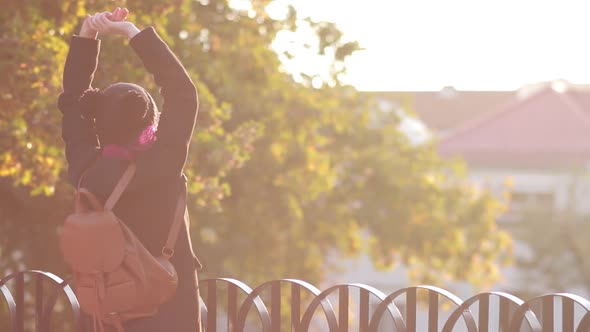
383	142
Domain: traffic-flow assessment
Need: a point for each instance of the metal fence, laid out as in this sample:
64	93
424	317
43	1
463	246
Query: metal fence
33	298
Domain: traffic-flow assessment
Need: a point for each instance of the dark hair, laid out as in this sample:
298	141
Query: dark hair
120	113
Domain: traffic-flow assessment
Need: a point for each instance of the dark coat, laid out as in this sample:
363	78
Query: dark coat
148	204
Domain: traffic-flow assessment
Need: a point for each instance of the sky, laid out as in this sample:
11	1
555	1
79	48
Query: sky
419	45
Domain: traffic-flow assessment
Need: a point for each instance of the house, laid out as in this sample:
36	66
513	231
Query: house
541	142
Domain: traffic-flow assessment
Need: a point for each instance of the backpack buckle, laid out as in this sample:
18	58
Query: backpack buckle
167	252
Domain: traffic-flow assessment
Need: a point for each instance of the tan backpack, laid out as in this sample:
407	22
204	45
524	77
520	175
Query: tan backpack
115	277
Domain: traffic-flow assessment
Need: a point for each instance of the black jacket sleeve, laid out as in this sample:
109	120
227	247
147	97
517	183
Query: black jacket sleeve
77	132
180	106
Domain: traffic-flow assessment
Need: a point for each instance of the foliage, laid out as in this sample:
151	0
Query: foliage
280	173
555	259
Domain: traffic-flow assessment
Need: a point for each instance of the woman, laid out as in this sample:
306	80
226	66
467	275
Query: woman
104	130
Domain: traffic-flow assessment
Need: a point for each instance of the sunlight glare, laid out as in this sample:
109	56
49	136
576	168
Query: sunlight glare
427	44
278	9
243	5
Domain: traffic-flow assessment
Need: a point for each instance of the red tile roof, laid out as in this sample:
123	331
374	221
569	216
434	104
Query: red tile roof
441	113
546	128
444	110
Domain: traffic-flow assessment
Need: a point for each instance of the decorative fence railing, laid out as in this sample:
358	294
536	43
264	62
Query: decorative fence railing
32	299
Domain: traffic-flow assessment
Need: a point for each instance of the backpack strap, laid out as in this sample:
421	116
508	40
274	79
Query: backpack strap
116	193
120	187
92	200
83	174
168	250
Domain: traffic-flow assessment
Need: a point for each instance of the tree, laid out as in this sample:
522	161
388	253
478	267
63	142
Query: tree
283	169
555	259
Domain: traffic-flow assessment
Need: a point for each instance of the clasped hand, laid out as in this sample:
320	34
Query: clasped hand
108	23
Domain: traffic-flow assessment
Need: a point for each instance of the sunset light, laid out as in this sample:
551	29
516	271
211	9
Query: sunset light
471	45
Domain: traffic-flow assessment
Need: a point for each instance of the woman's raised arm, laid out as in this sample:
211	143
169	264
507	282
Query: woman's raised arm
78	132
180	105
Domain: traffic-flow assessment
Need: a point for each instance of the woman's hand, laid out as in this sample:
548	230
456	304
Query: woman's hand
113	23
89	31
119	14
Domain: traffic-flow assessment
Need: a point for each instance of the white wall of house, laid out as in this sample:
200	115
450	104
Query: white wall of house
534	188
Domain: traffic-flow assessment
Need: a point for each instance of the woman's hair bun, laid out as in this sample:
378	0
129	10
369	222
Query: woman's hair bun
91	102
